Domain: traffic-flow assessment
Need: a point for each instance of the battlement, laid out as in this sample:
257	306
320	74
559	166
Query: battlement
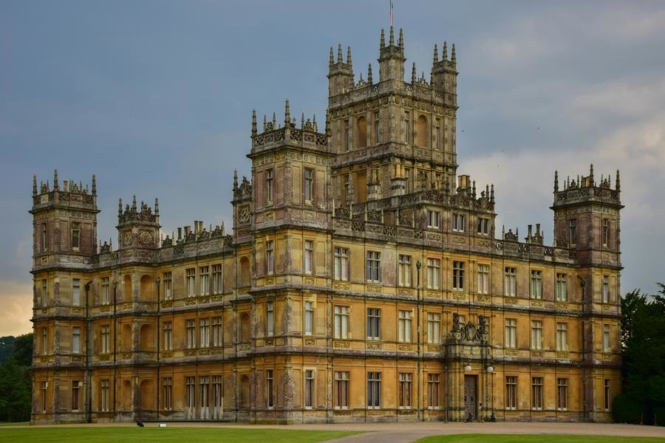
72	193
132	214
585	189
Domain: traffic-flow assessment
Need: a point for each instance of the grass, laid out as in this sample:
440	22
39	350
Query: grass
540	438
58	434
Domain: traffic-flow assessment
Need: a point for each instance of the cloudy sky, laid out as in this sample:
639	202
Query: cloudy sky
155	98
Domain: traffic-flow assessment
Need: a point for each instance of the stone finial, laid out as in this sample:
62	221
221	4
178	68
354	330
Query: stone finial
492	193
382	43
331	59
134	203
369	74
119	207
327	122
254	130
436	53
156	206
235	179
591	180
391	41
618	182
453	55
348	56
287	113
413	73
444	54
339	54
556	181
34	185
274	121
94	185
56	186
401	39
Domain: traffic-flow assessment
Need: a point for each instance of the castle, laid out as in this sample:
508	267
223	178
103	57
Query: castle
362	280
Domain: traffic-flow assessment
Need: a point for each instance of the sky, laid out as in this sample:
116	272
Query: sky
155	98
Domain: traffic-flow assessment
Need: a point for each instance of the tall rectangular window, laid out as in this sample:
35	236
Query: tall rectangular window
510	333
270	388
347	136
537	393
341	390
217	332
377	121
562	337
270	257
217	391
404	326
562	394
433	219
373	324
606	289
308	192
76	340
105	345
190	332
536	334
76	292
309	318
606	232
536	285
511	393
433	391
309	256
404	271
405	386
458	275
373	273
204	332
204	280
270	190
270	318
76	395
373	390
433	328
606	338
167	393
510	281
190	280
572	231
216	279
607	392
483	226
342	322
309	388
459	222
433	273
44	395
44	238
44	294
204	392
104	396
346	188
106	298
561	288
406	128
76	236
341	264
44	341
168	286
190	392
168	336
483	279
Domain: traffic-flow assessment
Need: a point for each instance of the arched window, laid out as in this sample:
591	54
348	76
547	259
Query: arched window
361	126
422	136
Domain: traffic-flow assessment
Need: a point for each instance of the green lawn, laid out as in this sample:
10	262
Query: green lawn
58	434
540	438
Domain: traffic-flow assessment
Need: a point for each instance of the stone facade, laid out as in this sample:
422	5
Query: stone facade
363	280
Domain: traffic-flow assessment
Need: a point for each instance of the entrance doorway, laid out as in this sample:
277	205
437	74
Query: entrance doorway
470	395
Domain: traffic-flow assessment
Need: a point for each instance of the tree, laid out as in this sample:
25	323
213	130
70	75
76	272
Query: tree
15	381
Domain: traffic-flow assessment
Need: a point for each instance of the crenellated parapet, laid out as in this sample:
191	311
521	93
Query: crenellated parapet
143	214
586	189
70	193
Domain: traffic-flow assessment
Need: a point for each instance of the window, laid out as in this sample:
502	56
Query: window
373	324
433	328
44	294
483	226
309	256
607	394
404	394
341	391
204	280
167	397
606	338
309	388
270	318
404	271
168	336
510	281
76	292
204	332
106	299
561	292
433	272
406	127
511	392
76	340
44	341
458	276
204	392
373	390
216	279
309	318
483	279
44	238
342	322
373	266
346	182
217	332
536	334
105	345
76	236
104	396
76	395
308	192
270	388
459	220
562	394
347	136
377	121
270	257
341	264
168	286
536	285
190	330
433	385
190	280
511	333
562	337
421	131
433	219
44	395
190	392
270	191
572	231
404	326
217	391
606	232
537	393
606	289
